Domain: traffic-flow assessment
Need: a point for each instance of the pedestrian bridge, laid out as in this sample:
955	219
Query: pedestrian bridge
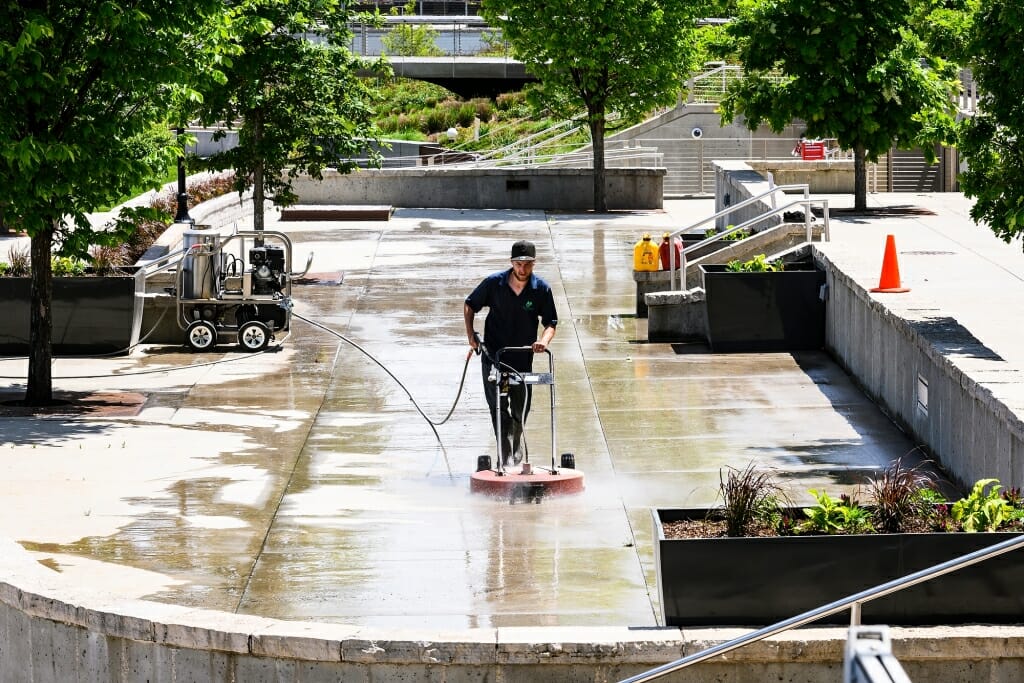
466	76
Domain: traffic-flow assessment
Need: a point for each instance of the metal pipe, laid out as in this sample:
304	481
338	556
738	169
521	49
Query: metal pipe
724	212
825	231
831	608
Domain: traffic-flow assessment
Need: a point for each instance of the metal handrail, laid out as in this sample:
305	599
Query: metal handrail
633	157
852	602
770	192
806	203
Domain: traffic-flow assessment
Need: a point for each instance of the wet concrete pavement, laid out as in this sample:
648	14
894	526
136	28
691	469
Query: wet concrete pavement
303	484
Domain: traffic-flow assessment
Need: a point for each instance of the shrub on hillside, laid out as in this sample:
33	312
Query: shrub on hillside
147	231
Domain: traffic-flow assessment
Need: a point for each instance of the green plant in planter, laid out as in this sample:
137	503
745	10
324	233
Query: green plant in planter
758	264
734	237
67	266
836	516
749	497
935	510
18	262
896	496
984	509
106	260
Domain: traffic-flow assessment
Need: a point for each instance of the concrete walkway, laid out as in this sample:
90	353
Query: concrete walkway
303	484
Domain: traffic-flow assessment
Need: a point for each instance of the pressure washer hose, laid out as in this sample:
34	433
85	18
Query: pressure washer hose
462	380
433	424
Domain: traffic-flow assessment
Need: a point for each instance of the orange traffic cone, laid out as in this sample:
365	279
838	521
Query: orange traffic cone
889	282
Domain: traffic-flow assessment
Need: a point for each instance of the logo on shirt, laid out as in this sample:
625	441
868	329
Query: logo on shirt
528	305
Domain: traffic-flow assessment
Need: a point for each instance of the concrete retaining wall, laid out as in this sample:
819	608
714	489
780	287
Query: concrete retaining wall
735	182
967	425
897	359
489	188
52	632
688	159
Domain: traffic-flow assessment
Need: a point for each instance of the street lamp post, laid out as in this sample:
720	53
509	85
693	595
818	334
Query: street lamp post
182	215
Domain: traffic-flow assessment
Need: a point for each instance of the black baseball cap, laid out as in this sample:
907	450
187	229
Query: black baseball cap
524	251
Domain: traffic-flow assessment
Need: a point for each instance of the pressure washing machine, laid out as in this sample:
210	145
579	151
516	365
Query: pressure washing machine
239	294
526	481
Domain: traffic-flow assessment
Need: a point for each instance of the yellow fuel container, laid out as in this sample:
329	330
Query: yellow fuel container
645	254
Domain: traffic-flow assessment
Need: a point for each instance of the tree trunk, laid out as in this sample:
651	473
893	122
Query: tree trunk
597	139
860	179
257	180
257	199
39	391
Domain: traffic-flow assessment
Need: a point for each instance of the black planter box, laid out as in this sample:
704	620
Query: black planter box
90	314
761	581
759	312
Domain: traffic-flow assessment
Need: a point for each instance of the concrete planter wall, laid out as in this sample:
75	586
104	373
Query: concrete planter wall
761	581
90	314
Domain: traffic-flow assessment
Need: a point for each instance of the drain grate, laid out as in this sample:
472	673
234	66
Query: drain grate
929	253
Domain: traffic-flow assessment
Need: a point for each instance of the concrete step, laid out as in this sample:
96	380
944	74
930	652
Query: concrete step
336	212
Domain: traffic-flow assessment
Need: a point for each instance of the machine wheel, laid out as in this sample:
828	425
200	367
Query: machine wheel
201	335
253	336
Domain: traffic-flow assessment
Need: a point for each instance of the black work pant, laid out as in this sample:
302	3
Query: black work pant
514	409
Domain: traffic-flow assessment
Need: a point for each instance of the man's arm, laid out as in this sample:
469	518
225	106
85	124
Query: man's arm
546	336
469	314
549	319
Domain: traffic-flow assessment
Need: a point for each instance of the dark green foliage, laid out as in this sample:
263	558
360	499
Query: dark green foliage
595	57
86	88
992	142
298	104
852	71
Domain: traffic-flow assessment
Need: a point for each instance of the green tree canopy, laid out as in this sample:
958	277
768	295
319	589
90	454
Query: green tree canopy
601	56
293	93
992	142
945	26
86	85
853	71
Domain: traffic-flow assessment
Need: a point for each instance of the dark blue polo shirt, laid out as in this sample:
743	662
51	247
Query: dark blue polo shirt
512	319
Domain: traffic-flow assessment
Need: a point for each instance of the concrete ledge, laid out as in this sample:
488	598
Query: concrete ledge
486	188
650	281
676	316
53	631
974	422
824	177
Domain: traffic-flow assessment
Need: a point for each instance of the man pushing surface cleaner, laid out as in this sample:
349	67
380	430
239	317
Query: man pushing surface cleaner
516	300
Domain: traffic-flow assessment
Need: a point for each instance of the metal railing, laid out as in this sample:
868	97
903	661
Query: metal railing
806	202
452	35
852	603
711	85
422	7
624	157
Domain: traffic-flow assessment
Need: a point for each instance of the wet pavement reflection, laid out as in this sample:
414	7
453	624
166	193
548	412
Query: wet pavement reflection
303	484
